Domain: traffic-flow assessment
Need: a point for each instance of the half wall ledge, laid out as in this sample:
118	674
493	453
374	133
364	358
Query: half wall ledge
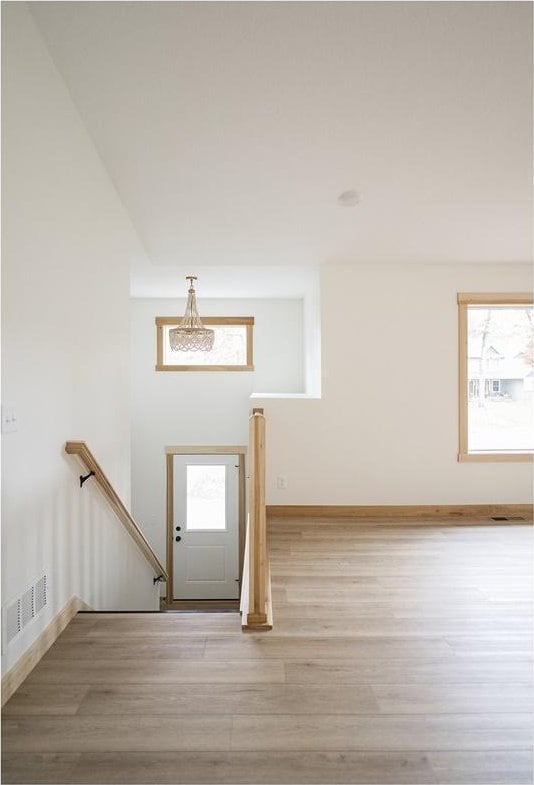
282	396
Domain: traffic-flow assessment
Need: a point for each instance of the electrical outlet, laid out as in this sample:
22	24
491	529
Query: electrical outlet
281	482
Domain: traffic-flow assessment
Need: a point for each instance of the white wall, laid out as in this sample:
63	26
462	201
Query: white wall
67	244
203	408
386	430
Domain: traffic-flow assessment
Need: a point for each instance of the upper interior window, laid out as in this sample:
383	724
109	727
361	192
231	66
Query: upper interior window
496	377
232	349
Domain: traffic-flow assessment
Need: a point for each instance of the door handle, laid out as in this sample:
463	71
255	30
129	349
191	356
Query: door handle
177	538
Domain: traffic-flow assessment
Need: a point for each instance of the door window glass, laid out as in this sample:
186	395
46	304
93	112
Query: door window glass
206	498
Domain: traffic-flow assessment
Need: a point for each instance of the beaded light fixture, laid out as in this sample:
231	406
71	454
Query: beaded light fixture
191	335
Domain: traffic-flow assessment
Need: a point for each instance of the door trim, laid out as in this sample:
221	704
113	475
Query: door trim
240	452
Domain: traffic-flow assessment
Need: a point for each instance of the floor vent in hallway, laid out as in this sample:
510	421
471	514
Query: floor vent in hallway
507	518
17	614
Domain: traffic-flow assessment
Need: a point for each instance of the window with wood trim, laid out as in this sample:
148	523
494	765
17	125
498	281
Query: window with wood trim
232	349
496	374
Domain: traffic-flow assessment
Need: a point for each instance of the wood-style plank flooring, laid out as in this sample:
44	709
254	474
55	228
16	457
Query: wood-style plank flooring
400	654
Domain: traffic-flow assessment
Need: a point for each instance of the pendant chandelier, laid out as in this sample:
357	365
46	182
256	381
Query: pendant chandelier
191	335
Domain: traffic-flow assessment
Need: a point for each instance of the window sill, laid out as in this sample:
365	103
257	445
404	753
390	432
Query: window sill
496	457
301	396
206	368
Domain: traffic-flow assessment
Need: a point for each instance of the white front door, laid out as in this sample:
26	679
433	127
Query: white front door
206	527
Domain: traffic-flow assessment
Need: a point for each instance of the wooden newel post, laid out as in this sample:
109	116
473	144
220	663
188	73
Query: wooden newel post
258	525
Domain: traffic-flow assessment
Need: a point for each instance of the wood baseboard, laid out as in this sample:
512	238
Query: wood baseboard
418	513
27	662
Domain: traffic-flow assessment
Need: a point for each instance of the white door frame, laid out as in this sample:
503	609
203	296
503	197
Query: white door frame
170	452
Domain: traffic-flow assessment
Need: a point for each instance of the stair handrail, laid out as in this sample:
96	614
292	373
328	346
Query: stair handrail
256	604
82	451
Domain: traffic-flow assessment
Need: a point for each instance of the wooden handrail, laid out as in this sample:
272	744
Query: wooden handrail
256	606
81	450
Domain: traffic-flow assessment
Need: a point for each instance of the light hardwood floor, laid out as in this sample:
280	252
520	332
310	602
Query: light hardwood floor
399	655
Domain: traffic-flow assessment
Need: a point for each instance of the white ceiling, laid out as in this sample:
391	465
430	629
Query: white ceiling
230	128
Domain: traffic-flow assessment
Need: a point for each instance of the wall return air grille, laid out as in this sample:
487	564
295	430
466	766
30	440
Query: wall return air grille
19	613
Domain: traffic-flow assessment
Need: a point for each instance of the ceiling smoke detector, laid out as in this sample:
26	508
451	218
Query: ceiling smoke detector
348	198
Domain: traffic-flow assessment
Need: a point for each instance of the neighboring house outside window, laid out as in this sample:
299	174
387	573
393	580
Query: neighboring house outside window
496	377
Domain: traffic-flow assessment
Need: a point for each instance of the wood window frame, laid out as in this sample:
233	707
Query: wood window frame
166	321
465	299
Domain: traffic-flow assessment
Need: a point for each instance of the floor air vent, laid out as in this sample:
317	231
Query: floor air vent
12	621
17	614
27	607
507	518
40	594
